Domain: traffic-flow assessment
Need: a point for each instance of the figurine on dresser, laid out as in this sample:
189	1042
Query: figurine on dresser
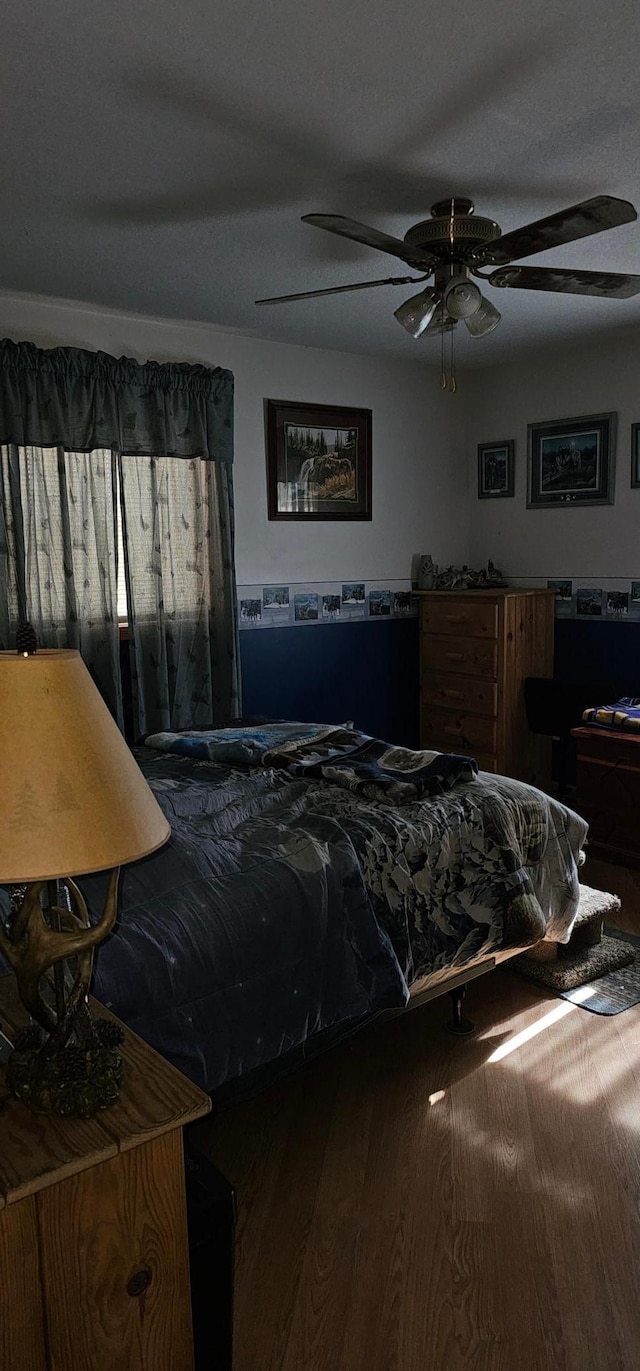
433	577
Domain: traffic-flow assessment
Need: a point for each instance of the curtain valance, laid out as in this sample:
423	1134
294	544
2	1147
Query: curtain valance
81	400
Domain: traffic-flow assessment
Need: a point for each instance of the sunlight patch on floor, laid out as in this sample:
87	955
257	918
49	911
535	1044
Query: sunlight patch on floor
578	997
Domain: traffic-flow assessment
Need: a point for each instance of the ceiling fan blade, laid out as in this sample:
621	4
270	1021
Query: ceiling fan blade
374	238
339	290
579	221
610	284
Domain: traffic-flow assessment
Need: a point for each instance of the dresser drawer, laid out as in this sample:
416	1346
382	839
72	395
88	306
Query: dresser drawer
448	731
608	785
472	694
618	833
486	763
613	749
471	618
467	656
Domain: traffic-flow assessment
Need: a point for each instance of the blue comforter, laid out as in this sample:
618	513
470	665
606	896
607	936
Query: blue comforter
251	930
284	907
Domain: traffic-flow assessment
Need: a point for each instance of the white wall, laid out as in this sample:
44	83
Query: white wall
601	542
419	465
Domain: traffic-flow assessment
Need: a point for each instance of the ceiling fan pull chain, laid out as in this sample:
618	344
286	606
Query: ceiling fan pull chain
452	363
443	374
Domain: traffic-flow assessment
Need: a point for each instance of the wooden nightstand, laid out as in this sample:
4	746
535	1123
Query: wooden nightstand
94	1257
608	792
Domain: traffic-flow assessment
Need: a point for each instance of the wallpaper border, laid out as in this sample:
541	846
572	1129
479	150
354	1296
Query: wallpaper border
311	604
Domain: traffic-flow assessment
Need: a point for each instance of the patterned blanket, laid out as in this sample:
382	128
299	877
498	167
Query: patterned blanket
342	755
375	769
236	746
624	714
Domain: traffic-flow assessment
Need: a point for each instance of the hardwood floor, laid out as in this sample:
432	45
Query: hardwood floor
406	1203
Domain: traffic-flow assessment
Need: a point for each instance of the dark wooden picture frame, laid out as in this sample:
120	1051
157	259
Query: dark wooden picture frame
331	443
635	456
496	474
571	462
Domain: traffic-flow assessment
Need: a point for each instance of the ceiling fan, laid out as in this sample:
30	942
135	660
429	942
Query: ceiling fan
455	245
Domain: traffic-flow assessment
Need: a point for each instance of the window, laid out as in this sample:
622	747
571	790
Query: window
123	612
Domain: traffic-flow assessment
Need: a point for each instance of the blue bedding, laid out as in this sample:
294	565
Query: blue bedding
286	907
341	754
250	931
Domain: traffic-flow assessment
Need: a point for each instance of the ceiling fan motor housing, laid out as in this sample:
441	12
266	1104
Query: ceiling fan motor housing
454	233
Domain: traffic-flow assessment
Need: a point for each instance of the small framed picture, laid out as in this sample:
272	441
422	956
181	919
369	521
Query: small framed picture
495	469
571	462
635	455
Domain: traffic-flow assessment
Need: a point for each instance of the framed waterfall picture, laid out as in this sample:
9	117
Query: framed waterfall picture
318	461
571	462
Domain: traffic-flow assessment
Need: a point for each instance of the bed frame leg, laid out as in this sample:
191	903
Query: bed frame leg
459	1025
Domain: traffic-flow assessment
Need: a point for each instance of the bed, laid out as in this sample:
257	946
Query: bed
289	908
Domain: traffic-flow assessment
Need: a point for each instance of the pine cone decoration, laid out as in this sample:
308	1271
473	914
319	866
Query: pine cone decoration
28	1039
109	1034
26	640
73	1064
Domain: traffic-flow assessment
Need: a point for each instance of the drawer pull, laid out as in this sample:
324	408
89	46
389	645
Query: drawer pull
456	618
454	656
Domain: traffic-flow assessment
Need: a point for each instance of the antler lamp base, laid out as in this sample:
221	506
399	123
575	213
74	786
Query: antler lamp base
64	1062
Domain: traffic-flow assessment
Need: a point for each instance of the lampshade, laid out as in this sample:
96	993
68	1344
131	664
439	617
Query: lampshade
484	319
72	799
415	313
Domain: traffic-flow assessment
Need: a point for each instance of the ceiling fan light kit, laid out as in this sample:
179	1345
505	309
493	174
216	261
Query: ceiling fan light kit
483	320
417	312
462	297
455	244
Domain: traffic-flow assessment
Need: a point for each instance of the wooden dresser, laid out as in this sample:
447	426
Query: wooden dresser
608	792
476	648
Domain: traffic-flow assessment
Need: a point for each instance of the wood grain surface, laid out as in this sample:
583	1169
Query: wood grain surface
476	650
22	1336
87	1206
36	1151
97	1230
408	1204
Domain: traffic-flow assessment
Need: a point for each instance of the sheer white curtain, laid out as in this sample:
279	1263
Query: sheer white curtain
177	519
58	550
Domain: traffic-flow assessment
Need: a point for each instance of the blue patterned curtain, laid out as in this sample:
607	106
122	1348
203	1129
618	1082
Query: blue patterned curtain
67	397
66	415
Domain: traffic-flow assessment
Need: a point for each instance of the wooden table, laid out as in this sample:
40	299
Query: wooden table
608	792
94	1258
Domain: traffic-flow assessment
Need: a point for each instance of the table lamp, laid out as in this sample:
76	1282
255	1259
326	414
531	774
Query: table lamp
72	801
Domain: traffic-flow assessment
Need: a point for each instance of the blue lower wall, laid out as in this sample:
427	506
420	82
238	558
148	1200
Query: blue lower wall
368	671
586	648
361	670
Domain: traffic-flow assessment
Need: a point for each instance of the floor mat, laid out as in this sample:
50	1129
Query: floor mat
605	994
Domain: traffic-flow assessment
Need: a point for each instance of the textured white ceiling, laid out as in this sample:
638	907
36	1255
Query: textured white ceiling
157	156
